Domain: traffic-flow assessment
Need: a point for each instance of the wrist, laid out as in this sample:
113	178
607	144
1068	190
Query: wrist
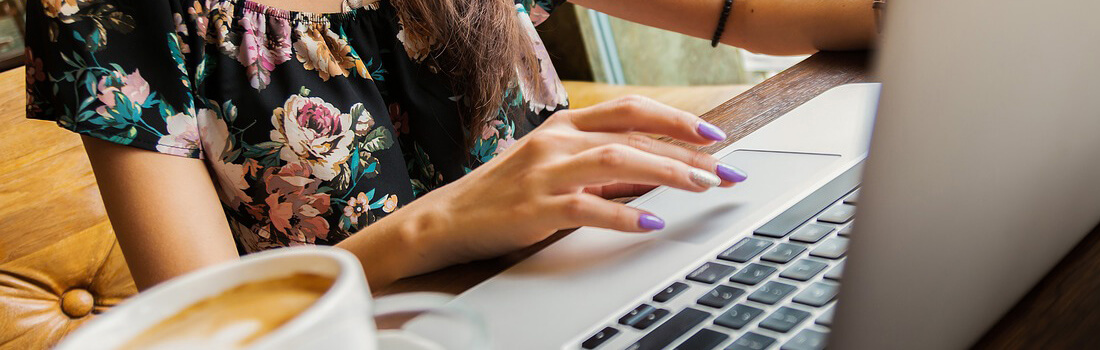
423	233
402	244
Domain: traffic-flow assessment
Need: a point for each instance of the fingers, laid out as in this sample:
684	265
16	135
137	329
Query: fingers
642	114
616	163
583	209
729	175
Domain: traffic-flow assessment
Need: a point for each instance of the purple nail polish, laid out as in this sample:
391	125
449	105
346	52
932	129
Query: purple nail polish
710	131
731	174
650	222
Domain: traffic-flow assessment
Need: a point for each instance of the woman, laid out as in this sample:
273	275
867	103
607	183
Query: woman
222	127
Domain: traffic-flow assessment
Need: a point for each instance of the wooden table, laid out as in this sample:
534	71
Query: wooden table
1061	312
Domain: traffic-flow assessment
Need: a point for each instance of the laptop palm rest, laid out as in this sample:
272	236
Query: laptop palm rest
713	212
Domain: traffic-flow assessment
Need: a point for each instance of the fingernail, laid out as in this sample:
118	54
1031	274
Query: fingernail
731	174
704	178
710	131
650	222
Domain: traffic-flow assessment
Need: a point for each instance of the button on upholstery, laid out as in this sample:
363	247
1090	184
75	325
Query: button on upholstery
77	303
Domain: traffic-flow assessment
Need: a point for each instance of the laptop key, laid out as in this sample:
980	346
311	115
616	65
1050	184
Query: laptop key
784	319
771	292
836	272
846	231
803	270
839	214
745	250
650	318
738	316
670	292
721	296
804	210
710	273
817	294
852	198
751	341
832	248
704	339
783	253
811	233
807	339
672	329
636	315
599	338
752	274
826	318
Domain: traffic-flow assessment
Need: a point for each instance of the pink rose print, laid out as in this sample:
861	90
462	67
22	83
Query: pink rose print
115	87
315	133
265	44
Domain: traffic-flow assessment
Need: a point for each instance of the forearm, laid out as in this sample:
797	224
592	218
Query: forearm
400	244
779	27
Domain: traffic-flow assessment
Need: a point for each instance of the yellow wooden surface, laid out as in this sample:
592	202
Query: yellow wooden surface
695	99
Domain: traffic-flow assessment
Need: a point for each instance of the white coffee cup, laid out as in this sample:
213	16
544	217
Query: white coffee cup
343	318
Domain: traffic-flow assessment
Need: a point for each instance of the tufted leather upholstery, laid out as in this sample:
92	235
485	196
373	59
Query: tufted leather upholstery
59	262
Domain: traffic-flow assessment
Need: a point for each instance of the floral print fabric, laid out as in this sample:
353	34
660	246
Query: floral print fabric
313	125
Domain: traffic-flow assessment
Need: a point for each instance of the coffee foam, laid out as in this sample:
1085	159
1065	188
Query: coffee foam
236	317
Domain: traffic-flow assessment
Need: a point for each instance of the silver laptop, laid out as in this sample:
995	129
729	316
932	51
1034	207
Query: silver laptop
982	174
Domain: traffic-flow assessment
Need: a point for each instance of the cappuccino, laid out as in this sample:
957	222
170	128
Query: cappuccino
236	317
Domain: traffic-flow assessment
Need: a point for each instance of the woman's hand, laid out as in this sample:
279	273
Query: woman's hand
552	179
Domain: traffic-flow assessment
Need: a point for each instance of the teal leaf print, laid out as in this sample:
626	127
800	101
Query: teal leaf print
123	138
229	112
372	168
202	68
378	203
174	45
377	74
378	139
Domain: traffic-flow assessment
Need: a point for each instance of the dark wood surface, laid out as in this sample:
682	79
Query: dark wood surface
1061	312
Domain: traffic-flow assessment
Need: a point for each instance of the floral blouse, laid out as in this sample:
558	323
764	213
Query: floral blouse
313	125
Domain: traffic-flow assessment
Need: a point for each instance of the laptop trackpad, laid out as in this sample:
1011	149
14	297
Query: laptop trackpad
699	217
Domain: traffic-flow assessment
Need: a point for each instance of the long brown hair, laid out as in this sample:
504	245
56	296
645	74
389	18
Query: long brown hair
479	44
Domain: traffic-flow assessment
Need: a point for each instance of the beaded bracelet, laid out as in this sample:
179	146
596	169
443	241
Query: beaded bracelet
721	23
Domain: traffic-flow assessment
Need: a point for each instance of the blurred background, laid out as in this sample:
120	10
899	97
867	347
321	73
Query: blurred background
602	57
11	33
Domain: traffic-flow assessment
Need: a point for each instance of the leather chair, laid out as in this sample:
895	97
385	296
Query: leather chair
60	264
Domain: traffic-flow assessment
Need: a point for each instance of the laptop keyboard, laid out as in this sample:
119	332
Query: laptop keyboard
773	290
